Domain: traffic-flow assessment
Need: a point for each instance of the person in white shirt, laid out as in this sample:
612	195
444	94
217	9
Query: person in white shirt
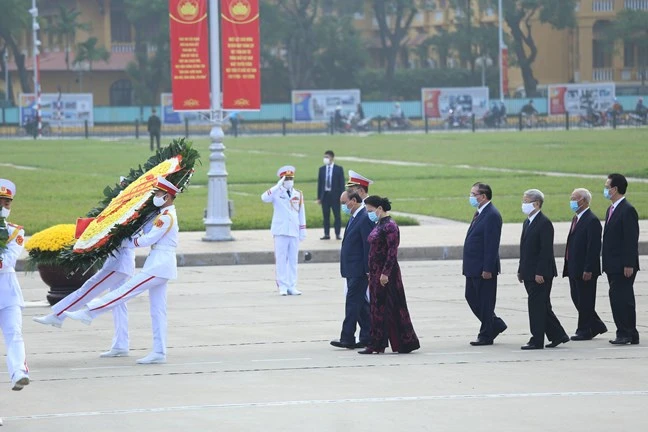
159	268
288	228
118	268
11	298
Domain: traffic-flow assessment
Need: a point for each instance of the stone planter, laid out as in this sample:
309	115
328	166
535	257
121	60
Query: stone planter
60	285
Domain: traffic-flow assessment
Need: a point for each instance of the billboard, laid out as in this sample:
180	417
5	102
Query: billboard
169	116
576	98
241	68
437	102
189	45
319	105
58	109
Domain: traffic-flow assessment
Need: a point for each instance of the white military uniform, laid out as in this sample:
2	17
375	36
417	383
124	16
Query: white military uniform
160	267
117	269
288	228
11	303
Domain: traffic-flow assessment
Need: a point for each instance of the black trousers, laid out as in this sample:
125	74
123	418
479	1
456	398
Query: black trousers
155	135
542	319
330	202
356	311
622	302
583	294
481	295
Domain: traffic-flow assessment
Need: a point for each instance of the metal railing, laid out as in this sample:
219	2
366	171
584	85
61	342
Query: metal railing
603	6
636	4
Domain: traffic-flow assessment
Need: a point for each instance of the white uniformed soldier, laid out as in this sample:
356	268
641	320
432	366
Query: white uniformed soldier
358	183
11	298
159	268
117	269
288	228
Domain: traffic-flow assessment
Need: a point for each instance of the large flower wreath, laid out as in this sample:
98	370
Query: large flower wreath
128	206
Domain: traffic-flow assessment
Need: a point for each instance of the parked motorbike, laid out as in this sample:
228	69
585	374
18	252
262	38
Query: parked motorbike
360	125
593	119
494	119
397	123
457	120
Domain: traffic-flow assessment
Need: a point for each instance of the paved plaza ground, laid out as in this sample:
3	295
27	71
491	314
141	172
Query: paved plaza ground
243	358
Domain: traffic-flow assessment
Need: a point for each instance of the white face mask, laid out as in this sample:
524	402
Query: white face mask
158	201
288	184
4	212
527	208
327	161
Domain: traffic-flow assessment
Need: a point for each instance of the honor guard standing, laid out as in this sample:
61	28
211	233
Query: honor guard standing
288	228
11	299
161	235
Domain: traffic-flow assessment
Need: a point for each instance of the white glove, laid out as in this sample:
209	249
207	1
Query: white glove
127	243
281	181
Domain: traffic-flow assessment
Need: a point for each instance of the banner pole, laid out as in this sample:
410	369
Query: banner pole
217	218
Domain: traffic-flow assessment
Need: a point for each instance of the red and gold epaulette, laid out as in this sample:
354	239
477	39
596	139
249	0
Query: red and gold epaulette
18	227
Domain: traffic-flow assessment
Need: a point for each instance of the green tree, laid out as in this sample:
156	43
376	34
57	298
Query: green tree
14	20
442	44
631	27
65	27
300	42
394	18
519	15
89	52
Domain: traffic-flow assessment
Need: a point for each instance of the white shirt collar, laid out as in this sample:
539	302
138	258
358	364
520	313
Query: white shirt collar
579	215
355	213
480	209
617	203
533	217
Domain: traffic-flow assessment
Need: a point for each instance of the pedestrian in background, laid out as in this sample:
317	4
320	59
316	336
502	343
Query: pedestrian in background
330	185
154	127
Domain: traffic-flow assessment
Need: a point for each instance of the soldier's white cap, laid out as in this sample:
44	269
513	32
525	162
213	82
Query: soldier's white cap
166	186
356	179
7	189
286	171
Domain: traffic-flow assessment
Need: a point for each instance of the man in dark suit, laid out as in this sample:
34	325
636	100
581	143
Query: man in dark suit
537	270
330	185
354	266
481	263
583	265
621	258
154	126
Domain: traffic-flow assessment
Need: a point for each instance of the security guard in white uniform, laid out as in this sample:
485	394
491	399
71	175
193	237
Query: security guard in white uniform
11	299
288	228
159	268
117	269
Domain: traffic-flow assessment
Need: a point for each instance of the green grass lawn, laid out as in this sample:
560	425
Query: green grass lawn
423	174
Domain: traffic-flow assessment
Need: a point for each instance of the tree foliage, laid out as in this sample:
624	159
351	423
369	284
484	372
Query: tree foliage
631	27
519	15
65	27
89	52
14	19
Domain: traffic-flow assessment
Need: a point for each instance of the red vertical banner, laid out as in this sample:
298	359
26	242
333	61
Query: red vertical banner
240	40
189	32
505	77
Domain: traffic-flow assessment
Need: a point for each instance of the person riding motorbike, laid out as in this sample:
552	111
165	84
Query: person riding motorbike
641	110
530	113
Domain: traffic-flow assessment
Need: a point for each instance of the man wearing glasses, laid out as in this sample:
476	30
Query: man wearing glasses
481	263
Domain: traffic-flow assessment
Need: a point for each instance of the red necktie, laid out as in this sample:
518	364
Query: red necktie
571	230
573	225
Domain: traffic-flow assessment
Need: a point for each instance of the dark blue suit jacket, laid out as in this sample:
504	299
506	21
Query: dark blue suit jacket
354	256
621	239
481	247
584	246
337	182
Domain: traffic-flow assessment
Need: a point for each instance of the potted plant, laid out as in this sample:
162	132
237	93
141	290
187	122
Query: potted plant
45	249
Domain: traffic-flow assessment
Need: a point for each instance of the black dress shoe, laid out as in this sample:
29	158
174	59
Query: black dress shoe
530	347
621	341
581	337
338	238
339	344
554	344
325	238
500	331
480	342
634	341
361	345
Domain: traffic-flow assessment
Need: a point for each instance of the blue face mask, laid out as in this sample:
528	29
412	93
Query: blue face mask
345	209
373	217
573	205
473	201
606	193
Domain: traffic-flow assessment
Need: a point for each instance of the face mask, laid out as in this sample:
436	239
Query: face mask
473	201
327	161
158	201
373	217
4	212
606	193
573	205
288	184
345	209
527	208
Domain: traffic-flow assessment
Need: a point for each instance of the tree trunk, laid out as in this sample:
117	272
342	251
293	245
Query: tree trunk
19	58
525	61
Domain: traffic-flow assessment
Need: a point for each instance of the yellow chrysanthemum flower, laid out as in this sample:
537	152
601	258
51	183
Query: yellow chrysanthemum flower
52	239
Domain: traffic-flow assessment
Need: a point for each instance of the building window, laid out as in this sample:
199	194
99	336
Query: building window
121	93
629	59
120	27
602	47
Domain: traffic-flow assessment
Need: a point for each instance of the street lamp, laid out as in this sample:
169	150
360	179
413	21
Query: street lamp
37	90
5	57
499	49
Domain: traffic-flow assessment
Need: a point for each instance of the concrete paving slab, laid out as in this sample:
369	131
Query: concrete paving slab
243	358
